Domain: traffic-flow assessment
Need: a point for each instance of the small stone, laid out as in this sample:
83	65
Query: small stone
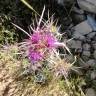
83	28
94	54
93	75
91	21
90	63
87	40
87	5
94	45
86	53
90	92
61	2
94	38
91	35
86	47
79	36
74	44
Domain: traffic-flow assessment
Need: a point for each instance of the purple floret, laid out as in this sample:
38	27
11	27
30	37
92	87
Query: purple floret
39	42
34	56
50	40
35	38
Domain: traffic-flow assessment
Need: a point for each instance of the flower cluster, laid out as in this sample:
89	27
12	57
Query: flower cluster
41	42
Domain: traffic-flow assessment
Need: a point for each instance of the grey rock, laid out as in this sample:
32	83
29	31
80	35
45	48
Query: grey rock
85	56
61	2
94	54
90	63
79	36
83	28
91	35
91	21
88	40
74	44
90	92
93	75
86	53
94	39
87	5
94	45
86	47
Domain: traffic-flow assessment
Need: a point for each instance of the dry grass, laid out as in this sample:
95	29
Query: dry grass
12	83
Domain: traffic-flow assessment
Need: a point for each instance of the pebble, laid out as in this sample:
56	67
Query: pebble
90	63
90	92
94	54
93	75
91	35
86	53
75	44
87	5
94	45
61	2
94	38
83	28
88	40
79	36
86	47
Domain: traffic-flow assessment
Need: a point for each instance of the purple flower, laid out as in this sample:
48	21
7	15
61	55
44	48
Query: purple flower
34	56
50	40
39	42
35	38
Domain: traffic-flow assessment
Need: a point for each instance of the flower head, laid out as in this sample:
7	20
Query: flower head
40	43
34	55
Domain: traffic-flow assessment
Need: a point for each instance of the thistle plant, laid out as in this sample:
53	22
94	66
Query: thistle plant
42	43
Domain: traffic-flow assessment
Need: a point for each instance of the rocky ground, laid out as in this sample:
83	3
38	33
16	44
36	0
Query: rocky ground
83	34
